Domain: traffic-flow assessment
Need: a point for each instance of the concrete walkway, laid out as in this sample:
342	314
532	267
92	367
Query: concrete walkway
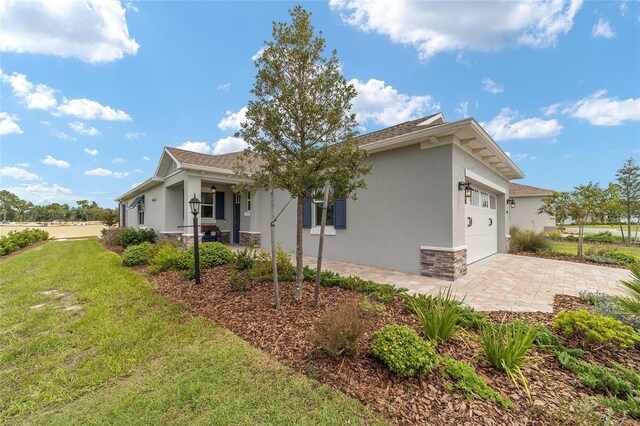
501	282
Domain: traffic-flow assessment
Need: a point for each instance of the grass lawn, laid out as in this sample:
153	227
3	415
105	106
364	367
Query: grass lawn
571	248
85	341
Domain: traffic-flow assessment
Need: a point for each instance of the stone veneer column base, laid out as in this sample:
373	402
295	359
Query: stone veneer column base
250	238
446	264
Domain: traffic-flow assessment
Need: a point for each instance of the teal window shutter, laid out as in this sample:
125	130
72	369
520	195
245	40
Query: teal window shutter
340	214
306	213
220	205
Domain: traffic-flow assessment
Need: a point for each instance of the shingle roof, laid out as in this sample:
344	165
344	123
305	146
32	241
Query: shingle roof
517	190
228	161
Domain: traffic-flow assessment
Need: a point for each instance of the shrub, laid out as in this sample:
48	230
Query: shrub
137	254
598	378
381	292
262	269
630	303
164	257
629	406
338	330
112	236
601	237
238	281
438	315
594	329
549	342
211	255
131	236
372	306
505	344
245	258
16	240
529	241
471	384
469	318
403	351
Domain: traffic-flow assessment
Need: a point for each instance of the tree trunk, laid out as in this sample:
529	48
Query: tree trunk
580	238
299	276
628	230
622	232
635	238
274	254
323	222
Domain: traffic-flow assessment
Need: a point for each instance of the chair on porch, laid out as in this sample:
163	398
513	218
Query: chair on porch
211	233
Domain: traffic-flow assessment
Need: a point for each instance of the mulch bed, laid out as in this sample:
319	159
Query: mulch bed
568	258
285	335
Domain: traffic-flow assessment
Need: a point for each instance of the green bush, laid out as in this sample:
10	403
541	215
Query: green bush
131	236
469	318
381	292
262	269
618	382
594	329
504	345
112	236
529	241
339	329
245	258
628	407
630	303
549	342
164	257
211	255
238	281
471	384
16	240
403	351
601	237
437	315
137	254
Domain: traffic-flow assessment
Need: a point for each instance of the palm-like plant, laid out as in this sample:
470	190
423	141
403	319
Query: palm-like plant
438	315
630	304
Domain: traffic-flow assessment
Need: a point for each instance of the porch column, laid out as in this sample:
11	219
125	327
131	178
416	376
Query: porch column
192	185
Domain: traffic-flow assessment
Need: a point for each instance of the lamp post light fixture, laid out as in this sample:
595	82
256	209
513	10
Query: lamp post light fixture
466	187
194	205
511	203
213	187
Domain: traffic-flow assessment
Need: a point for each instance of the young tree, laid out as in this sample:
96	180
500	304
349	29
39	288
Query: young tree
628	179
8	201
581	204
300	114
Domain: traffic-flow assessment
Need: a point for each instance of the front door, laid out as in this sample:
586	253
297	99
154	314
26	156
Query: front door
236	218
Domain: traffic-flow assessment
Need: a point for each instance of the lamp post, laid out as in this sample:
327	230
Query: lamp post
194	205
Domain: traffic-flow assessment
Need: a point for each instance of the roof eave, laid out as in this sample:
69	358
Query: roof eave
149	183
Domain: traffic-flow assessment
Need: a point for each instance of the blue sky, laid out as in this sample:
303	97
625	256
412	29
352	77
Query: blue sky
91	91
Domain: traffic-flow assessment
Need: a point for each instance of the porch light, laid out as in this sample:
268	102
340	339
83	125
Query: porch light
213	187
194	205
511	203
466	187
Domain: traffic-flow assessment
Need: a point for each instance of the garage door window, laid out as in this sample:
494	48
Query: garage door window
492	202
475	198
484	198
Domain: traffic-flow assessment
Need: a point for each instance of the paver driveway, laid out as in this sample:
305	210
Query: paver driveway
502	281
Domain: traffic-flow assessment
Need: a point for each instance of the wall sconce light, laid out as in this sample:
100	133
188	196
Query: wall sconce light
154	199
466	187
213	188
511	203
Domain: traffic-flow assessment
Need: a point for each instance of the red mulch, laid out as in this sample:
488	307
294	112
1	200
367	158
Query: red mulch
284	334
568	258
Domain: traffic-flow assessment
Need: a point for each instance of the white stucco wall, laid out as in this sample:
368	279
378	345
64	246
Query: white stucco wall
525	216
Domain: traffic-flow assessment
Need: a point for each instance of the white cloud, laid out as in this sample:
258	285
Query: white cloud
34	96
132	7
602	29
462	59
257	55
145	158
18	173
92	31
551	109
523	157
228	144
225	86
105	172
603	111
81	129
64	136
434	27
463	109
380	103
232	120
138	170
201	147
45	123
40	96
504	127
41	193
91	151
8	124
50	161
118	160
491	86
23	165
134	136
90	110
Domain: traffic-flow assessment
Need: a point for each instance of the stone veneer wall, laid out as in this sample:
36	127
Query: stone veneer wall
448	265
250	238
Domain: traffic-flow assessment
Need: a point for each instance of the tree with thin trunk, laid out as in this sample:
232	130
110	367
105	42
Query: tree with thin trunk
628	179
582	204
300	114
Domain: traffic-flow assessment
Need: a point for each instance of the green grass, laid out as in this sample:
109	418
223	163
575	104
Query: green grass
571	248
108	350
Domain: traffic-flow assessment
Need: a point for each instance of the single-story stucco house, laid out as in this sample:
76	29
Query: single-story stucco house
413	216
524	215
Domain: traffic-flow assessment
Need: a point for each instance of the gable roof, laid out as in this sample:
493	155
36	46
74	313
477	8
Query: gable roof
222	161
400	129
518	190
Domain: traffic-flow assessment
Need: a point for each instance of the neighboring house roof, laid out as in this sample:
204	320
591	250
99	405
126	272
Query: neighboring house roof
518	190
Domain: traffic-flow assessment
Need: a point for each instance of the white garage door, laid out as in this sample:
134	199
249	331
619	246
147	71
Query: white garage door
481	226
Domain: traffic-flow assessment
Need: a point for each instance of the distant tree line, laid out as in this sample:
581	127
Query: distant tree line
15	209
